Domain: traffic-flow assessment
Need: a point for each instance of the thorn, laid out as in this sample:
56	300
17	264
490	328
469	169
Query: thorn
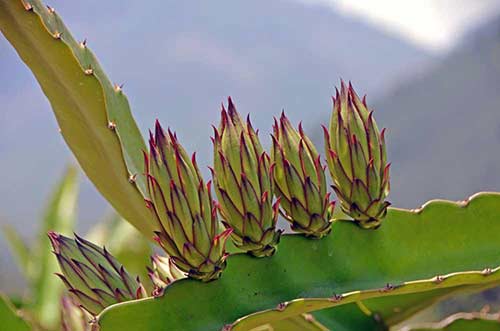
387	288
27	6
89	71
438	279
118	88
111	125
309	318
227	327
281	306
57	35
51	9
487	271
83	44
336	298
59	129
132	178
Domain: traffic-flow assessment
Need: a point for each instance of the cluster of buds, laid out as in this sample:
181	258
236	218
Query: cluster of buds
181	203
244	185
163	273
357	160
300	180
92	275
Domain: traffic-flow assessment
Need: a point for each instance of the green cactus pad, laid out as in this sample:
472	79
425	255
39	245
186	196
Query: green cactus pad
444	245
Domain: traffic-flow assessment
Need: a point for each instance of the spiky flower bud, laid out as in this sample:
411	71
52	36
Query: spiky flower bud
356	156
92	275
299	180
183	208
163	273
73	317
243	182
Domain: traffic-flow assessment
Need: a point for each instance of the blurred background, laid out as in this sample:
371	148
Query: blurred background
430	68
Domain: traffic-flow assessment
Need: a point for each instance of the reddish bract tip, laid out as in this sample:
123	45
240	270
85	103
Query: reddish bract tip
54	240
264	197
382	134
301	130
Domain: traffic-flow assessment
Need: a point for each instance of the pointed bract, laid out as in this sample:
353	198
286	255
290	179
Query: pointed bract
73	318
299	180
94	277
356	157
244	185
181	204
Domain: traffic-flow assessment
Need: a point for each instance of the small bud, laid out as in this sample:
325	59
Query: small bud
356	156
244	185
163	273
92	275
73	318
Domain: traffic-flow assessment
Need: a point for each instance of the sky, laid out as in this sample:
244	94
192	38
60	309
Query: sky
436	25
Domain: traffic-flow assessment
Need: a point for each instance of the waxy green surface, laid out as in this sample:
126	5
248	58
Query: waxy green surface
445	245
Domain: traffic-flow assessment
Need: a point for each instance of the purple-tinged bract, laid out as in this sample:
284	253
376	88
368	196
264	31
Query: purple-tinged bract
356	156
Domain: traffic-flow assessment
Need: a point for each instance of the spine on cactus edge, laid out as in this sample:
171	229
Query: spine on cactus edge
183	208
300	181
356	156
243	183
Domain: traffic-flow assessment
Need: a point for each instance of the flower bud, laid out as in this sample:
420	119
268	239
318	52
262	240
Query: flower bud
243	182
299	180
92	275
356	156
183	208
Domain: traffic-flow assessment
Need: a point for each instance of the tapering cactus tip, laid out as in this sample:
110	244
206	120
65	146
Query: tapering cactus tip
94	277
243	182
357	161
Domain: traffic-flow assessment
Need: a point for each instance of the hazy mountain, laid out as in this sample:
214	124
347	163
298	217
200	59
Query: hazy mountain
444	125
179	60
